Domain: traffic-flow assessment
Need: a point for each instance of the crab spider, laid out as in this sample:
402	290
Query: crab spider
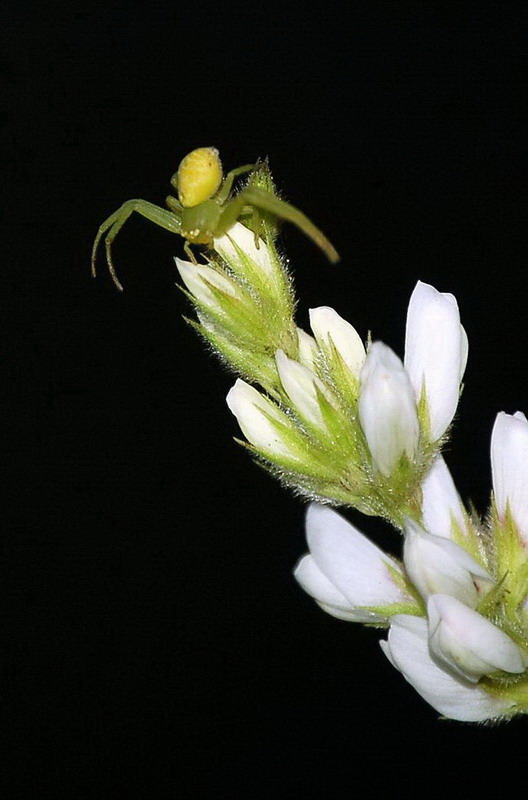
206	209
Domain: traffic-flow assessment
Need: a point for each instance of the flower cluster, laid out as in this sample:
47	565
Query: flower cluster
345	424
454	631
335	421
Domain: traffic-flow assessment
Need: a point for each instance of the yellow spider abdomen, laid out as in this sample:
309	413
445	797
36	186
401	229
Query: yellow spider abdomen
199	176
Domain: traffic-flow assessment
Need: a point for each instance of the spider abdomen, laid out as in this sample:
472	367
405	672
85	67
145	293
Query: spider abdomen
199	176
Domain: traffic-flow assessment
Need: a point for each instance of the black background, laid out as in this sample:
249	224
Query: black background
154	639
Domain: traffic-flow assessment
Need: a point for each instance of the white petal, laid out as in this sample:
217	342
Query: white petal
331	600
307	349
356	615
317	585
464	351
241	237
435	352
251	410
437	565
301	386
197	276
407	649
509	466
357	568
328	327
441	503
467	642
387	409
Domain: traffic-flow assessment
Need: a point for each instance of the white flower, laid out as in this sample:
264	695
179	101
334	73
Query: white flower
435	353
199	278
509	466
444	655
468	643
441	504
302	388
239	238
437	565
387	409
329	328
345	573
255	413
407	648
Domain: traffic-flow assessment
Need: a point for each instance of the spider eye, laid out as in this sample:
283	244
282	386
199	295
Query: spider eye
199	176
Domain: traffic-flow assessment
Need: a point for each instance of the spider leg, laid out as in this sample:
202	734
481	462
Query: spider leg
231	211
223	192
174	205
251	217
189	252
114	223
261	199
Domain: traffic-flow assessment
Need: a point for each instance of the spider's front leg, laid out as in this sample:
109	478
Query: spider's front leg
165	219
227	185
259	199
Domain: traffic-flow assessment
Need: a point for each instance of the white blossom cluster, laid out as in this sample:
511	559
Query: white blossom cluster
445	647
345	424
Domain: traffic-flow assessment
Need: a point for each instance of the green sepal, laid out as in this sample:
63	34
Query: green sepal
261	178
332	368
424	417
342	434
401	580
253	326
470	538
509	558
513	688
253	366
389	611
306	468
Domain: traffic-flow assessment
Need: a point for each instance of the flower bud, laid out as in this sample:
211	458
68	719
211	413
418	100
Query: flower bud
407	648
468	643
240	240
387	409
441	504
199	279
509	466
435	353
437	565
329	328
302	387
346	573
255	415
